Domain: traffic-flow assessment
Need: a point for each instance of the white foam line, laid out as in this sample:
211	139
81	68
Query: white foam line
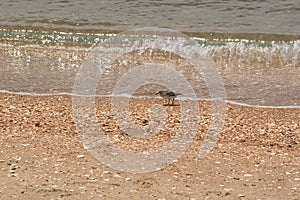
258	106
36	94
147	97
48	47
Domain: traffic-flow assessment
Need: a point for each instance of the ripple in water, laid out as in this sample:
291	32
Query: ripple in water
255	73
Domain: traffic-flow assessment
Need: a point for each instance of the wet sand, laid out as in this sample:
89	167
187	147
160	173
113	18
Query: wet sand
257	155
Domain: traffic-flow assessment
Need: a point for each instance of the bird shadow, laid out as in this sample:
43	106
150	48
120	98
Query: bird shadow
171	104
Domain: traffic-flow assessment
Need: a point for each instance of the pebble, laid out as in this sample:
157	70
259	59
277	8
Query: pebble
80	156
228	189
248	175
18	159
12	175
91	179
117	176
128	179
12	107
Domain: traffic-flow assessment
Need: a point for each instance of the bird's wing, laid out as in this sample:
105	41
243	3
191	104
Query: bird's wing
171	94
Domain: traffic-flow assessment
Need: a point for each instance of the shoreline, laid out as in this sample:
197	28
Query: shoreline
69	94
29	35
206	35
257	154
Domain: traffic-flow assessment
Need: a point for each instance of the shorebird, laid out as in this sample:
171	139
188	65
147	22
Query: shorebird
169	95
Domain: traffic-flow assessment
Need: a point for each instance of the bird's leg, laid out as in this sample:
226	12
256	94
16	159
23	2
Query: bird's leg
172	102
165	102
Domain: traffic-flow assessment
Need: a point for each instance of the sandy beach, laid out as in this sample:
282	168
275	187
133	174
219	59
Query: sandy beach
42	156
54	144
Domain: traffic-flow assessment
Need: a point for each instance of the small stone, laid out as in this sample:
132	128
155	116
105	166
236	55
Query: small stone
18	159
117	176
12	175
91	179
12	107
176	121
297	179
80	156
242	140
248	175
242	195
128	179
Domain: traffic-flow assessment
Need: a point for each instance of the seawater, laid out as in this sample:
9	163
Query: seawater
255	45
238	16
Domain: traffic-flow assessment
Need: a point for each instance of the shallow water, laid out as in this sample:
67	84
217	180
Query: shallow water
257	16
253	74
43	44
